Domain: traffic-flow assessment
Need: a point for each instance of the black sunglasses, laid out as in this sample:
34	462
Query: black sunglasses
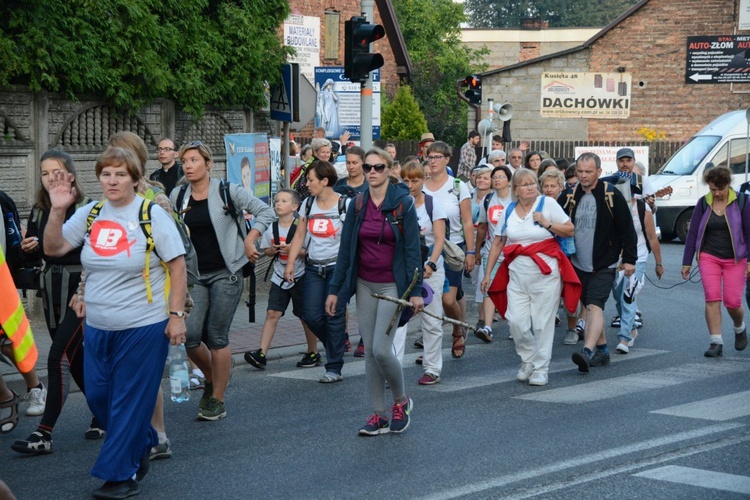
379	168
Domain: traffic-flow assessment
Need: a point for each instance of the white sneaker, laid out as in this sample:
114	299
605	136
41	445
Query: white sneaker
524	372
538	378
36	399
632	341
571	338
622	348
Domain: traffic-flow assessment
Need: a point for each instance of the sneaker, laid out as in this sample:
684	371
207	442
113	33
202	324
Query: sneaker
161	450
36	399
310	360
480	324
214	410
740	340
599	359
637	323
400	415
615	322
538	378
419	344
330	378
35	444
714	351
256	358
94	433
622	347
632	340
581	329
359	352
484	333
375	425
208	391
347	345
582	360
117	489
524	372
419	360
571	337
429	379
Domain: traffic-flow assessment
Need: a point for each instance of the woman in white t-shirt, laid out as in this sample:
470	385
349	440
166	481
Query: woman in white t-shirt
130	308
453	195
530	273
321	217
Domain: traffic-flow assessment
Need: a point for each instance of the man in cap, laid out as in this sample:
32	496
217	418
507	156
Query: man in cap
424	143
626	165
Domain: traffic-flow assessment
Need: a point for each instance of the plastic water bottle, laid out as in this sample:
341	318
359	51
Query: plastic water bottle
179	379
13	234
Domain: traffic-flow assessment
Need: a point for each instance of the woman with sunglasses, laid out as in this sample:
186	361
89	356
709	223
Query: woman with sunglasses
379	254
531	275
321	217
453	195
223	247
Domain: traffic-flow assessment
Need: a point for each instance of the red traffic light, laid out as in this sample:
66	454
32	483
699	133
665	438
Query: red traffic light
358	60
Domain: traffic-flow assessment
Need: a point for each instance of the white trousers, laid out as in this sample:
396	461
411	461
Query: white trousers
533	296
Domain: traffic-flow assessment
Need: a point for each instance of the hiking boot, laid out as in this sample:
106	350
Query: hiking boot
429	379
740	340
600	358
208	391
359	352
714	351
484	333
400	415
582	360
35	399
214	410
375	425
256	358
571	337
310	360
160	451
36	444
524	372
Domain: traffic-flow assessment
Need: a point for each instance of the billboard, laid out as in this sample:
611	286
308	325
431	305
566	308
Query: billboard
249	163
585	95
338	104
303	34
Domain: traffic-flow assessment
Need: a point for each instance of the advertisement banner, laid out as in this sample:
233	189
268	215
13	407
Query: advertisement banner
338	105
585	95
608	154
744	15
249	163
718	59
303	33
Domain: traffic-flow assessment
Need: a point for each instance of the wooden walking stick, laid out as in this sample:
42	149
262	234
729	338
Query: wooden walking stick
404	300
406	303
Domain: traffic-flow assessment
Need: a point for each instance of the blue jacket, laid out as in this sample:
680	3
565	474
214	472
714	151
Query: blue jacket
406	258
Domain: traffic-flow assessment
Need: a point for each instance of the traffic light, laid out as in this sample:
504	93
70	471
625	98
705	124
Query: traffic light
474	91
358	61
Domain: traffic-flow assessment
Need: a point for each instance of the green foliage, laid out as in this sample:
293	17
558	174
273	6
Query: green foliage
402	120
432	31
197	52
559	13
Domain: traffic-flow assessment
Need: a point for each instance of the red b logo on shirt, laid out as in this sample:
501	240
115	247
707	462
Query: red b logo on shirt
108	238
494	213
322	228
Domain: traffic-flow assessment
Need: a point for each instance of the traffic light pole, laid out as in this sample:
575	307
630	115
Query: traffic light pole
365	103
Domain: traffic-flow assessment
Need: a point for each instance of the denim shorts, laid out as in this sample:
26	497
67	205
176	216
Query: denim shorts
216	297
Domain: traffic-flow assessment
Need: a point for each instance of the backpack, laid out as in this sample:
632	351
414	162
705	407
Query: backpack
144	220
12	223
341	207
609	198
230	210
276	240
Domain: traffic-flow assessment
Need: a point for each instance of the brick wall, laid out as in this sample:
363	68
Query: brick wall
651	45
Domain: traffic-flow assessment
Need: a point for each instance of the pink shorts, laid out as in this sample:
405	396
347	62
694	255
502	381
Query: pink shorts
723	278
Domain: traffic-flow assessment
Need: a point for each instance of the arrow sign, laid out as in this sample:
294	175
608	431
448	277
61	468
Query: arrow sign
697	77
282	97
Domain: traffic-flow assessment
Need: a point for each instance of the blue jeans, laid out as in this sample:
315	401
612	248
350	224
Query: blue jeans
216	296
331	331
625	310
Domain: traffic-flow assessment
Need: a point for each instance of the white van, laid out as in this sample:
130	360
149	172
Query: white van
721	142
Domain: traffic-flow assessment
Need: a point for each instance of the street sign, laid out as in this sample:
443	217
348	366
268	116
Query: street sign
282	97
307	99
718	59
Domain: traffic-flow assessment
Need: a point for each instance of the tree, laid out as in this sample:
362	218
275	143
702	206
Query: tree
196	52
402	120
559	13
432	31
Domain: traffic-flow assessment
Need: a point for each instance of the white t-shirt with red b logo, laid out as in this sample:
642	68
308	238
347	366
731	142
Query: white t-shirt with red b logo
323	230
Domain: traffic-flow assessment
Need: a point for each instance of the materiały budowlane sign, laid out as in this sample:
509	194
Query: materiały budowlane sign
718	59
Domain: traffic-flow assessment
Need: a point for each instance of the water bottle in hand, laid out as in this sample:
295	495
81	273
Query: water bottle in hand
179	379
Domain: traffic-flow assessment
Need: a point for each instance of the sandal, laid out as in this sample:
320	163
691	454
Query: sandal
459	345
10	422
419	360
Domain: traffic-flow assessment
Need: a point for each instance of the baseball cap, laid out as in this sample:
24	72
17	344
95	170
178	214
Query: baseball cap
625	153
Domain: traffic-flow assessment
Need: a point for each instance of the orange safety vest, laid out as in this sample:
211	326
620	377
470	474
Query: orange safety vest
14	322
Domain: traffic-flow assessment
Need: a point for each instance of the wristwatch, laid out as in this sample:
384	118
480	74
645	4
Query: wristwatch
179	314
431	265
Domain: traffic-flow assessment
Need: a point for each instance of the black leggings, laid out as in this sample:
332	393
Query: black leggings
66	353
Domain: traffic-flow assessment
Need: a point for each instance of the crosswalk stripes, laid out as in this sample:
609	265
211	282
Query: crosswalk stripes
718	409
699	477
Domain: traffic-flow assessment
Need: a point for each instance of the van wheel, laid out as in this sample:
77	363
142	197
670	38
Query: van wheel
683	225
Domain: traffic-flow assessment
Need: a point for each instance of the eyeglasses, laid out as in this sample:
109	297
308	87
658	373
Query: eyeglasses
164	150
435	157
499	177
379	168
527	185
